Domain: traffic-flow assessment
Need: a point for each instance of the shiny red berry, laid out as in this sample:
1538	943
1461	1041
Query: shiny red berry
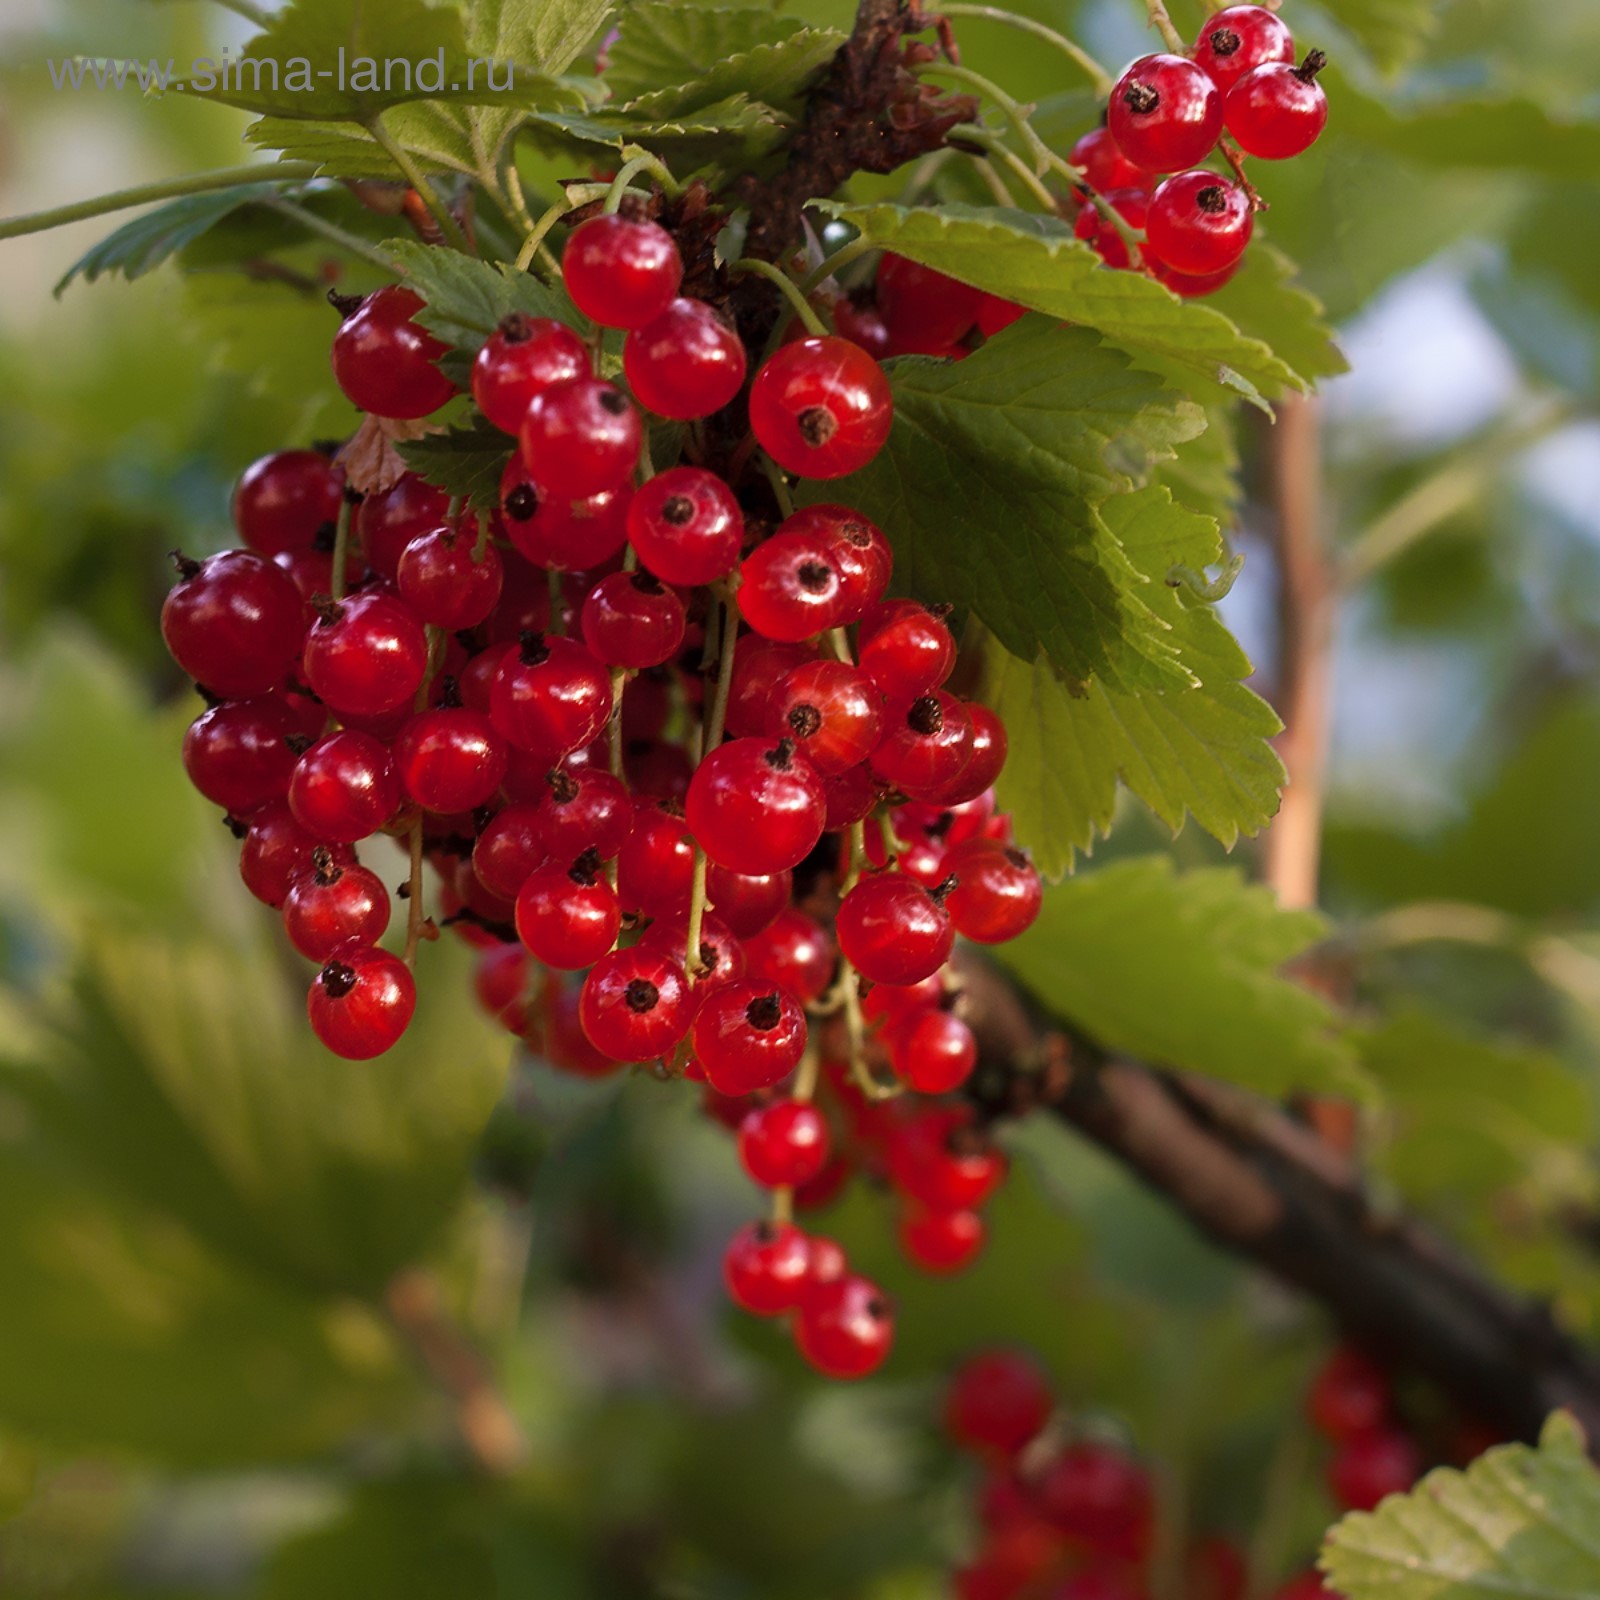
1350	1395
748	1036
1279	111
984	763
450	760
783	1145
998	1401
240	755
1238	39
508	848
892	930
845	1329
285	500
567	915
791	586
522	358
1104	165
767	1267
856	547
361	1002
941	1241
943	1161
821	407
1370	1467
366	654
334	904
1187	285
794	952
861	323
905	649
756	807
923	309
631	619
933	1053
833	712
620	272
1199	222
586	808
634	1005
748	902
550	696
997	893
1100	1496
447	579
686	363
233	623
1165	113
926	745
277	850
581	438
655	867
1132	205
344	787
384	361
389	519
686	526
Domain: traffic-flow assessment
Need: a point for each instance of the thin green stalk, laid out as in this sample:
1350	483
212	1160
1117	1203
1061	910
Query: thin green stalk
840	259
1159	20
537	232
413	174
992	142
332	232
802	307
168	189
1080	58
780	484
1015	113
629	169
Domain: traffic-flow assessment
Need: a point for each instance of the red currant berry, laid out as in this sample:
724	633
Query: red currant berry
748	902
389	519
795	953
941	1241
384	361
1132	205
450	760
277	850
833	712
1350	1395
1372	1466
791	586
1238	39
581	438
892	930
1104	165
905	649
635	1004
767	1267
365	655
567	535
983	766
924	306
655	867
861	323
821	408
926	745
756	807
894	1003
686	526
508	848
748	1036
240	755
344	787
283	501
582	810
630	619
1098	1495
996	315
1165	113
1190	286
845	1328
828	1261
568	917
943	1161
997	892
333	905
1279	111
524	357
621	273
361	1002
1199	222
233	623
447	580
856	547
933	1053
500	983
686	363
783	1145
852	796
998	1401
550	696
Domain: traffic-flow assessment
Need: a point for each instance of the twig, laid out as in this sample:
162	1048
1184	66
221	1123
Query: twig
1100	80
413	174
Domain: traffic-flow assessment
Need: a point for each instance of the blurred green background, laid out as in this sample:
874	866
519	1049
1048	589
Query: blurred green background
204	1389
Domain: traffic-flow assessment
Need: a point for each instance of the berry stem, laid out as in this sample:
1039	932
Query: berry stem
975	133
1100	80
803	308
414	897
1156	14
341	547
780	484
697	914
1014	112
643	162
537	232
836	263
331	231
1234	156
855	1027
401	157
169	189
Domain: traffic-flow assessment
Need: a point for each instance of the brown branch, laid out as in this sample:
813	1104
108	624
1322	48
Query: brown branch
1267	1189
1307	601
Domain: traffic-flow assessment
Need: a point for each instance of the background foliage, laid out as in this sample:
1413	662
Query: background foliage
203	1389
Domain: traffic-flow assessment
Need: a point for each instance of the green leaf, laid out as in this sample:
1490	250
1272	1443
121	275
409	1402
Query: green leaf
663	44
1035	261
1391	32
433	134
1201	750
281	70
1261	299
990	488
548	34
731	133
1182	971
141	246
1520	1523
776	74
468	462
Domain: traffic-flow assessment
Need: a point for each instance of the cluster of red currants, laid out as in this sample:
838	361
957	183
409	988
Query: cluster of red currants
689	752
1351	1404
